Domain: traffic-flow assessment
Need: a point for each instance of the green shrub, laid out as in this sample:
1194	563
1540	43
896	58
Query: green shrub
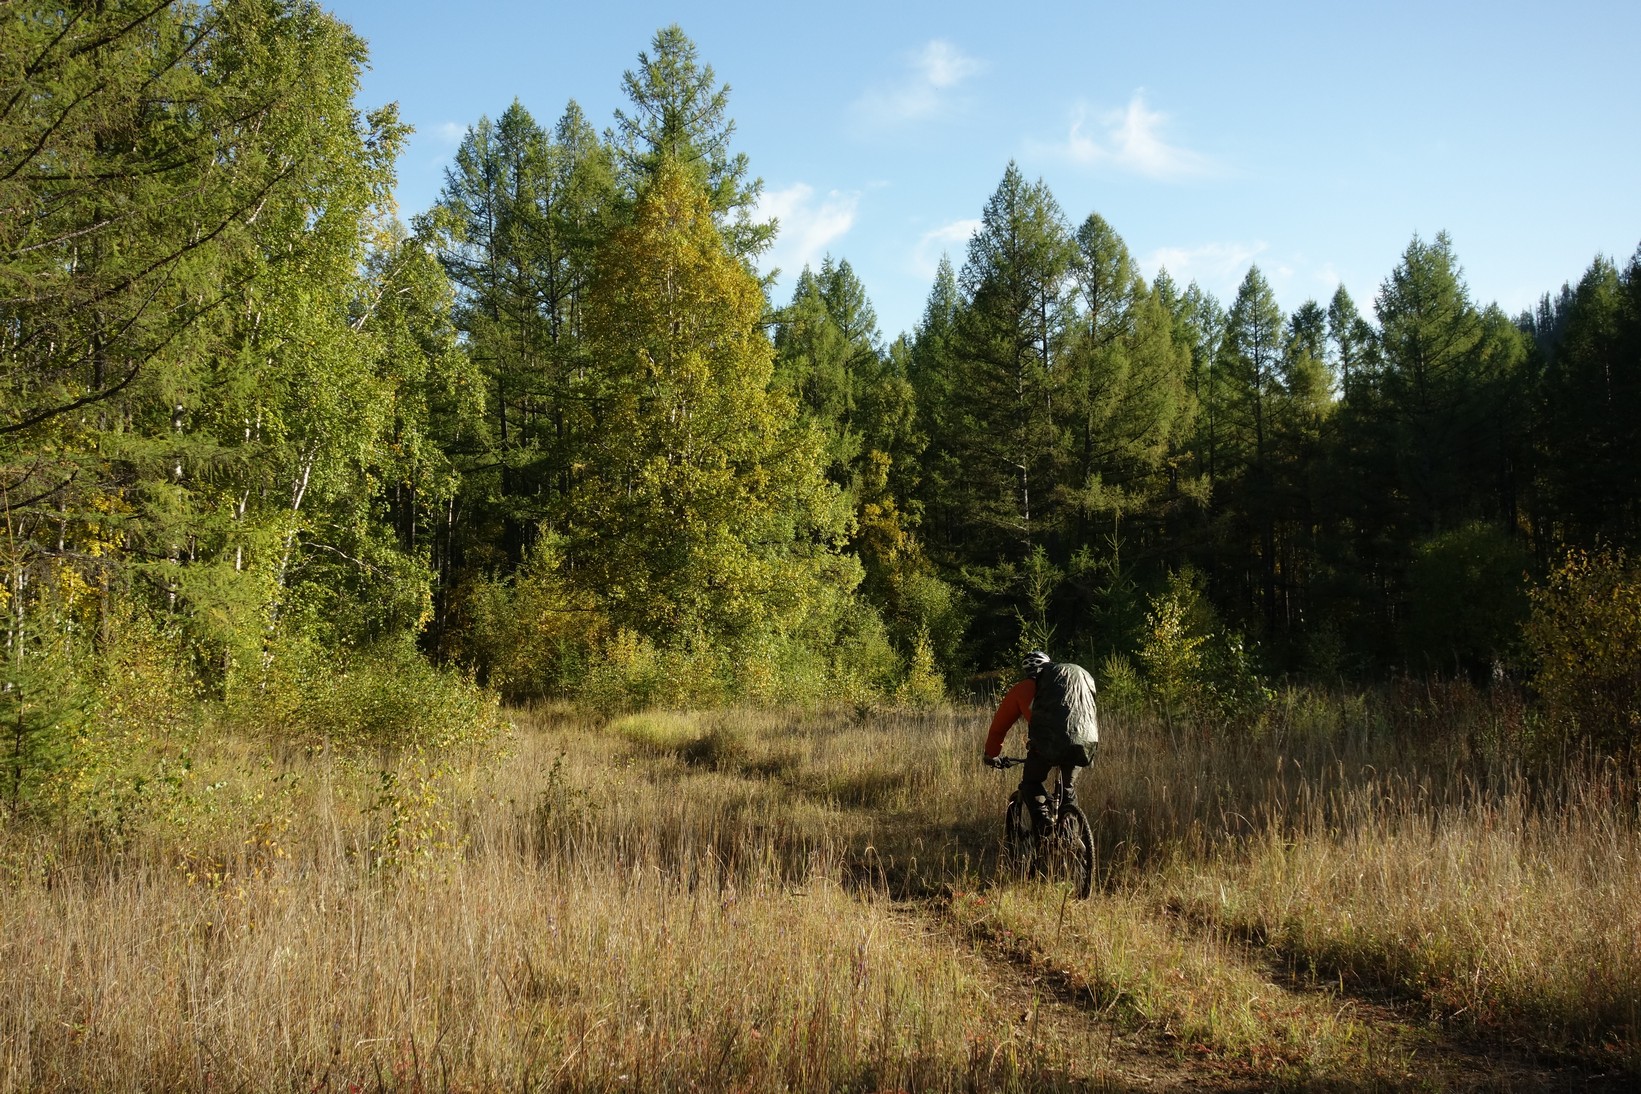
1194	667
144	721
921	686
532	634
1467	598
1118	682
44	707
388	696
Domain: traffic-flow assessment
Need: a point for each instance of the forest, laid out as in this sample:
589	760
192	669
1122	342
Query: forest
503	646
554	436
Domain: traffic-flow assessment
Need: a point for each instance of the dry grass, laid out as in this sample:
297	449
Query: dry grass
794	901
596	909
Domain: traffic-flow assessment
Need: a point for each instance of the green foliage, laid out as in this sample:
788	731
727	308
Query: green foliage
1584	633
384	697
700	504
681	116
256	442
922	685
1467	598
628	671
1233	686
44	706
1195	668
531	634
1038	578
1171	652
145	719
1589	350
1120	684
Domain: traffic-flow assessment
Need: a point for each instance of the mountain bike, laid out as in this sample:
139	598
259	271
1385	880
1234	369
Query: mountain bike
1065	855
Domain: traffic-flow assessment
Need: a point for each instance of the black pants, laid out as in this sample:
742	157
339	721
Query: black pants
1034	793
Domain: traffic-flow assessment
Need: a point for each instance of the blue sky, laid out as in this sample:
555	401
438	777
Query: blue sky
1313	139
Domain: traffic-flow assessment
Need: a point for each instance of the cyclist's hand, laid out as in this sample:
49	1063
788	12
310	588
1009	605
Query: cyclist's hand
993	761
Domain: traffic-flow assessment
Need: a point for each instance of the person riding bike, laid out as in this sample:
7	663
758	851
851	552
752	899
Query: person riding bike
1066	739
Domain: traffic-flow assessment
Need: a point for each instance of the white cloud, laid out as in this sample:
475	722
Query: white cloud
808	224
933	75
943	65
1217	267
449	134
949	239
1220	268
1129	139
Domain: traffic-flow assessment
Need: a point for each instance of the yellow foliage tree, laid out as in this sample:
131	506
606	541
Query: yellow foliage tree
1585	634
699	505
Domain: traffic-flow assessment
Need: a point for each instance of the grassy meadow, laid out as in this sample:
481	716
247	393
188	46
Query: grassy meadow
1358	895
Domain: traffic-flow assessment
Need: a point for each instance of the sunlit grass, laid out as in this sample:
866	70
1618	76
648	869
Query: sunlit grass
811	900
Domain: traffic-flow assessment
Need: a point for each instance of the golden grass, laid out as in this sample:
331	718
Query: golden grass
596	909
810	901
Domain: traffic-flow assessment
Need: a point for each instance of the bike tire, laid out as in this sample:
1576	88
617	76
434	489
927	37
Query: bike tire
1019	841
1072	858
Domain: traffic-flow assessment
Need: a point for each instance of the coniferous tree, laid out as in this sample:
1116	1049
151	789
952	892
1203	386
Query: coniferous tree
1589	442
190	360
1249	400
680	114
1008	341
702	508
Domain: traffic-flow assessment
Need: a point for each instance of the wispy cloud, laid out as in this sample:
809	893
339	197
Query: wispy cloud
1129	139
933	75
448	134
949	239
809	223
1216	267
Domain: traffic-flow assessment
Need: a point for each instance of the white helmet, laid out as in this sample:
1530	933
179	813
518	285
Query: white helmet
1034	661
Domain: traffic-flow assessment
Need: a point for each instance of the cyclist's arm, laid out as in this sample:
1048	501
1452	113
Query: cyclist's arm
1015	706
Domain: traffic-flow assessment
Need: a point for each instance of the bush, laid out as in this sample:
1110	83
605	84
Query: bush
1584	633
1467	599
921	686
529	635
144	721
44	706
1194	667
388	696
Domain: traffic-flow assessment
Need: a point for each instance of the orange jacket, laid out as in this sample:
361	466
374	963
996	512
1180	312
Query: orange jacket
1015	706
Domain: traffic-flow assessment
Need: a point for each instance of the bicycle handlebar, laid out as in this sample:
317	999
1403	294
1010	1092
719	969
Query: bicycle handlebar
1010	761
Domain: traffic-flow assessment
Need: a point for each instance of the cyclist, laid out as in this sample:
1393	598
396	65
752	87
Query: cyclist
1016	705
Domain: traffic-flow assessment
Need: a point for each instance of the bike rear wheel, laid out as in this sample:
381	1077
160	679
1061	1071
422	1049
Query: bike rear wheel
1068	855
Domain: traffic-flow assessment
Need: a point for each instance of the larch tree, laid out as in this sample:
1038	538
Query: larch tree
211	367
1250	400
1008	342
700	506
680	116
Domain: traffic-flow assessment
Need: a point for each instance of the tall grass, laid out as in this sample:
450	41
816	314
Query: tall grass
593	909
762	900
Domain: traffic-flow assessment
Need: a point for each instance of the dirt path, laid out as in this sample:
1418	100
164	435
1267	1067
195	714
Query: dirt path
1091	1049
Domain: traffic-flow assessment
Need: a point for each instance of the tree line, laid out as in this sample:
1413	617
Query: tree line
555	432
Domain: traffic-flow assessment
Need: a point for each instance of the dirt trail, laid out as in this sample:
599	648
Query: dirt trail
1095	1050
1090	1049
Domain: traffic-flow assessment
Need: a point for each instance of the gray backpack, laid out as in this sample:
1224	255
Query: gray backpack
1065	729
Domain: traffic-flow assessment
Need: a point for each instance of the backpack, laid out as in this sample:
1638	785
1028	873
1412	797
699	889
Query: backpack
1065	729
